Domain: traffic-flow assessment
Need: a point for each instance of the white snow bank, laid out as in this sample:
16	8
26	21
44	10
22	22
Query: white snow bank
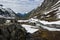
29	29
44	22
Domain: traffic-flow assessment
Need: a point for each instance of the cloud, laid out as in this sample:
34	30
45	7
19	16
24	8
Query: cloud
21	5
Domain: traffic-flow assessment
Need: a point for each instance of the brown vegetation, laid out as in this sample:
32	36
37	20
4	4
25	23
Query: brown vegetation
47	35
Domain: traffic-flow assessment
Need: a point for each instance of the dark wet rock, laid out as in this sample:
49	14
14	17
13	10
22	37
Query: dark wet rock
13	32
17	32
2	20
29	36
4	34
33	36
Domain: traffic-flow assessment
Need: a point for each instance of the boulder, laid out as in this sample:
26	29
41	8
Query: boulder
13	32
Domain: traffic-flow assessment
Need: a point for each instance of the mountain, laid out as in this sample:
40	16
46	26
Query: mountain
48	11
7	13
23	16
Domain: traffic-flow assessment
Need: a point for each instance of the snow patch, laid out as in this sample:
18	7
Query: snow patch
29	29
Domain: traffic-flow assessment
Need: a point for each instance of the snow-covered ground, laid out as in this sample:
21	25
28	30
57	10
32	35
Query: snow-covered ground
29	29
44	22
33	29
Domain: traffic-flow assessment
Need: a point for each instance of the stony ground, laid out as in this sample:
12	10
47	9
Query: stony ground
17	32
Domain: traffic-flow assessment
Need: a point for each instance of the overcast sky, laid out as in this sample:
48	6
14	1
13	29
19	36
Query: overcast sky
21	6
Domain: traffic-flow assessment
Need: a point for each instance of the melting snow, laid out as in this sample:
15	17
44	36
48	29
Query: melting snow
29	29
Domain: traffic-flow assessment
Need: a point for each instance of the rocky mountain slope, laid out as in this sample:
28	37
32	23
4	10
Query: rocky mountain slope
7	13
48	11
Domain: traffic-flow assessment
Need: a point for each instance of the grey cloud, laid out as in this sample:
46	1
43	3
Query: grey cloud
20	5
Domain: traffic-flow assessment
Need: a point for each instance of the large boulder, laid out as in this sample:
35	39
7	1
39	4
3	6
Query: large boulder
13	32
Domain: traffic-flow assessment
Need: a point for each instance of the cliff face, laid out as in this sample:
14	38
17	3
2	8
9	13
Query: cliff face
12	32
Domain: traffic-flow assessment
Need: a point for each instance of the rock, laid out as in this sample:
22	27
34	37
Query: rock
29	36
17	32
13	32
